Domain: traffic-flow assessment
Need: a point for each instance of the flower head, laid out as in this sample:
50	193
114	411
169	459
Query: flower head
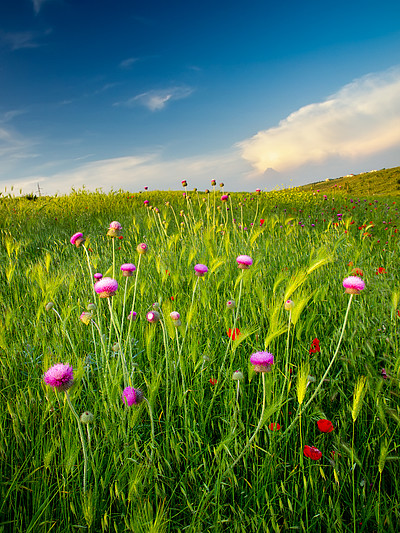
325	425
312	452
224	198
128	269
213	183
200	270
87	417
131	396
77	239
381	270
244	261
315	347
357	272
86	317
106	287
146	203
230	304
353	285
132	315
59	376
115	229
274	426
142	248
184	183
153	316
233	333
289	304
238	376
98	276
262	361
175	315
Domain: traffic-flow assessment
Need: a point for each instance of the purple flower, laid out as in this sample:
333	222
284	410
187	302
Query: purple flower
200	270
244	261
224	198
132	396
106	287
128	269
153	316
262	361
77	239
60	377
353	285
98	276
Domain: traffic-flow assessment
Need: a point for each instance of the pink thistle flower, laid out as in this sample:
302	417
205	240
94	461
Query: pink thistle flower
98	276
141	248
106	287
200	270
258	191
145	188
224	198
115	229
175	315
213	183
262	361
131	396
230	304
77	239
146	203
132	315
60	377
184	183
128	269
244	261
353	285
153	316
289	304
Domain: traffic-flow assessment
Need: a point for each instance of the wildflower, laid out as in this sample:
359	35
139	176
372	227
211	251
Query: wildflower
77	239
213	381
142	248
258	191
153	316
60	377
91	307
288	305
230	304
132	316
221	184
146	203
224	198
274	426
200	270
184	183
98	276
128	269
244	261
213	183
115	229
233	333
175	315
237	376
353	285
381	270
312	452
131	396
383	372
325	425
262	361
87	417
145	188
314	347
106	287
357	272
86	317
262	220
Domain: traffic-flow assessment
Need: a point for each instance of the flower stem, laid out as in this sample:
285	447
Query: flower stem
82	440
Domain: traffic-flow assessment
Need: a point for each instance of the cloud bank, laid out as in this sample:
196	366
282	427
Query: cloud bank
361	119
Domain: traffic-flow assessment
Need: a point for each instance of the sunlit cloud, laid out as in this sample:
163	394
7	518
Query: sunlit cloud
156	100
361	119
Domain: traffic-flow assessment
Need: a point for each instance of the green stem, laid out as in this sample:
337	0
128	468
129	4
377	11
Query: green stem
82	440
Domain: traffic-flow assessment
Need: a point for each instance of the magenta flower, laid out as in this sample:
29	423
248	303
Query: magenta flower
146	202
175	315
230	304
244	261
153	316
132	396
60	377
200	270
262	361
77	239
353	285
128	269
115	229
142	248
224	198
98	276
132	316
106	287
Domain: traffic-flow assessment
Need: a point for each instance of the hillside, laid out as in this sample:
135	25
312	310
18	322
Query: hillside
384	182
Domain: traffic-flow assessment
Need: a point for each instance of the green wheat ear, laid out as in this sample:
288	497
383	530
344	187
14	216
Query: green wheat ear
302	382
383	455
358	397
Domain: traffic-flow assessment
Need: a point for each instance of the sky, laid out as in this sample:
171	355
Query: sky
121	94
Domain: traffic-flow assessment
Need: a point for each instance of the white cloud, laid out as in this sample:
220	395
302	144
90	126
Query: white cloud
127	63
37	5
156	100
361	119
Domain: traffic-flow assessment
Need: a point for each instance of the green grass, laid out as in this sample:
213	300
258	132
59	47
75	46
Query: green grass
198	472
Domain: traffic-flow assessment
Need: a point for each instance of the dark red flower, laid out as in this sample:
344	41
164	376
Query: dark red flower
213	381
315	346
384	375
233	333
325	425
312	452
274	426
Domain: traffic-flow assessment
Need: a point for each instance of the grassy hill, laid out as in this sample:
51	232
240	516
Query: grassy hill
384	182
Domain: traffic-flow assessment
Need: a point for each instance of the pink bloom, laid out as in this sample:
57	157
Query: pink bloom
128	269
59	376
353	285
98	276
106	287
115	225
146	202
200	270
77	239
230	304
175	315
262	361
115	229
145	188
224	198
153	316
131	396
132	315
244	261
142	248
86	317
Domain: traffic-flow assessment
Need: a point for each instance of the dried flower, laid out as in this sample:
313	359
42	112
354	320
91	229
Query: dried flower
49	306
325	426
60	377
77	239
131	396
244	261
91	307
262	361
353	285
106	287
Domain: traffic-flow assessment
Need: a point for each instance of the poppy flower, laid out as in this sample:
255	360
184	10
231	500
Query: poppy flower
325	425
233	333
262	220
274	426
213	381
381	270
312	453
314	346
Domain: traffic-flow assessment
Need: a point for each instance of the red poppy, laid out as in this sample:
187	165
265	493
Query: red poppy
233	333
172	298
381	270
120	237
325	425
262	220
213	381
314	346
274	426
312	452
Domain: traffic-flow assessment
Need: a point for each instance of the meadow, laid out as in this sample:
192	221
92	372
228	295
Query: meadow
155	423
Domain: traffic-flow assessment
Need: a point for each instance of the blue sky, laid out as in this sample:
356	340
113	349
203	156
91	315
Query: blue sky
123	94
